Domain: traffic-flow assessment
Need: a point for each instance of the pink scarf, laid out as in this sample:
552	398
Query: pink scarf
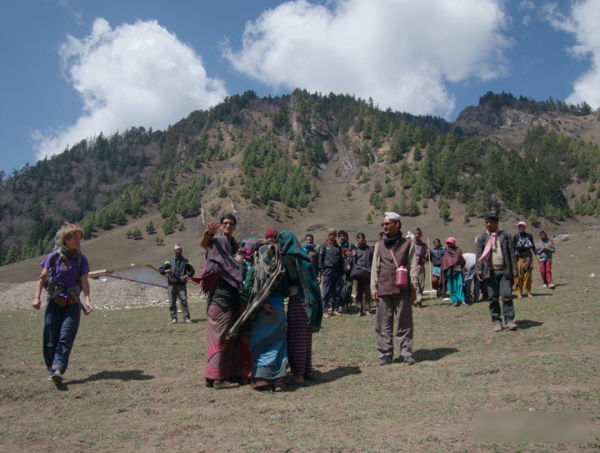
489	246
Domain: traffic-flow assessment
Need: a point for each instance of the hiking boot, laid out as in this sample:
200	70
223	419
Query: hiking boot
409	360
512	325
497	327
173	320
385	360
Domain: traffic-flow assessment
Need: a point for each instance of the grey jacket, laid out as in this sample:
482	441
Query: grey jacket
545	249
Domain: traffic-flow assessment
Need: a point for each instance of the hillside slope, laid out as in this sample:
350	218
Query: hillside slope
301	162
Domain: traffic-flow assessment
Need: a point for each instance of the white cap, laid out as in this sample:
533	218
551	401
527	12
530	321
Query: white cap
391	216
177	247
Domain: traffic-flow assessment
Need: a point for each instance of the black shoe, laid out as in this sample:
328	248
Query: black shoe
209	382
385	360
409	360
57	377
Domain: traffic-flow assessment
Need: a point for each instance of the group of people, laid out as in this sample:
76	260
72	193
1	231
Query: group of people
252	338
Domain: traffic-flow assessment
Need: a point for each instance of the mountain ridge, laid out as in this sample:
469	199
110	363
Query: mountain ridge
300	161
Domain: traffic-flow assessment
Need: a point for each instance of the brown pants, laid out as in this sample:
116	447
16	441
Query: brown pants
523	280
388	308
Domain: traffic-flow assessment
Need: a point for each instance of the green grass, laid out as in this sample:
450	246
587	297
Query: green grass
135	381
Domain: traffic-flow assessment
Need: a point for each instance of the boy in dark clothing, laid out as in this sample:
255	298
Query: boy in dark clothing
361	260
331	269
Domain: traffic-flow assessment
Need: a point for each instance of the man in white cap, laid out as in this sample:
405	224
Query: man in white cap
392	252
178	269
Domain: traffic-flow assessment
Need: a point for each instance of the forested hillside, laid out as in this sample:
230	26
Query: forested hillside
275	149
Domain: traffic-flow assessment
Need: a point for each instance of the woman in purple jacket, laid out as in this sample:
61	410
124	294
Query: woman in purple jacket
64	275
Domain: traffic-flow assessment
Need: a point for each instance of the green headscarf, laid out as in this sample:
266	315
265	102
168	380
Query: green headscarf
309	289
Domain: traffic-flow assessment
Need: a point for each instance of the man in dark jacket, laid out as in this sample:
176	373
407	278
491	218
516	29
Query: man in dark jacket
177	270
496	267
331	269
361	259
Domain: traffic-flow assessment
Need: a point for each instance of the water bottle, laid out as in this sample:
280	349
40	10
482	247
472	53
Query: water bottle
402	277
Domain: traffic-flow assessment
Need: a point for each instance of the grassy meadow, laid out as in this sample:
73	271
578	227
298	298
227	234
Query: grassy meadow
135	381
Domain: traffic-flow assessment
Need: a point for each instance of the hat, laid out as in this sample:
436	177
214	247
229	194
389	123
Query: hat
271	233
391	216
177	246
521	223
492	215
451	240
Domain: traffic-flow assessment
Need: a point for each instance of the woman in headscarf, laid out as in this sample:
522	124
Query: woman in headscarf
268	343
304	313
222	281
525	251
452	267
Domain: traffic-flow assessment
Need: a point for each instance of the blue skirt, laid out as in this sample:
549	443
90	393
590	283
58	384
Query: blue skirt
268	343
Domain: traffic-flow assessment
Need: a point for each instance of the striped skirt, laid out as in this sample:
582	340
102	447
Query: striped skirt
224	359
299	337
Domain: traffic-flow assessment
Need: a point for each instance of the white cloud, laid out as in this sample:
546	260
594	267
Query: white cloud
132	75
583	24
402	53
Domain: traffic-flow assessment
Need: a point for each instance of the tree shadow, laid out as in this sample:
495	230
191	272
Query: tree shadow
432	355
528	324
126	375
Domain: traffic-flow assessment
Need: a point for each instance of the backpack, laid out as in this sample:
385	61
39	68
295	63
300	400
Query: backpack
54	289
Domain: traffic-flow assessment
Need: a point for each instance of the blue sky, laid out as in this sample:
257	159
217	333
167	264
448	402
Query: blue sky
74	68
